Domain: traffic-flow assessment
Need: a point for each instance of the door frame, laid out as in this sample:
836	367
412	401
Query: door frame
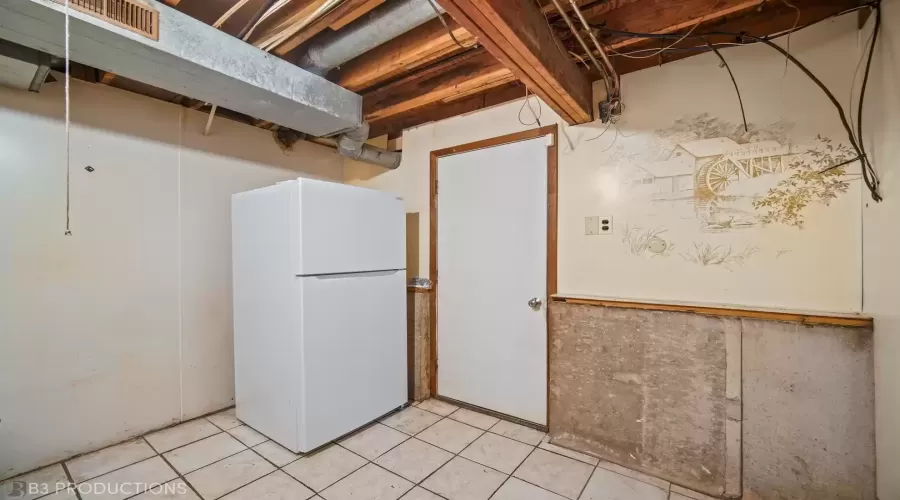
552	223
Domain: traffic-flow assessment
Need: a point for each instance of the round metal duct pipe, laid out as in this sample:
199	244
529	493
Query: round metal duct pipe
352	144
384	23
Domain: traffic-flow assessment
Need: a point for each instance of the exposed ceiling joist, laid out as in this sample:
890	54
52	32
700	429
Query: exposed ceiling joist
439	110
349	9
662	17
775	18
356	14
473	71
415	49
517	34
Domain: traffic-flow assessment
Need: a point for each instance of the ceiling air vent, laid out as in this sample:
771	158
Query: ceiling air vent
132	15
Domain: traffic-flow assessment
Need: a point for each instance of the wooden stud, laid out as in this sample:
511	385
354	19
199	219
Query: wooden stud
355	14
472	70
774	18
409	52
107	78
395	124
230	12
314	28
857	321
517	34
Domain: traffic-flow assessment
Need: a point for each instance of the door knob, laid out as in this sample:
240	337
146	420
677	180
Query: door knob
534	303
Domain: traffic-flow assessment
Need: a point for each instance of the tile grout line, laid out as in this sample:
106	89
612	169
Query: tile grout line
127	440
407	437
455	455
71	481
279	469
190	442
511	474
533	448
117	469
181	476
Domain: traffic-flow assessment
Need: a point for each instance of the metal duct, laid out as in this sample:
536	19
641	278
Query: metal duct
192	59
382	24
352	144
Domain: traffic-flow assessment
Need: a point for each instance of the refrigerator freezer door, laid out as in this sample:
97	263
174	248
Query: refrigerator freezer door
348	229
353	352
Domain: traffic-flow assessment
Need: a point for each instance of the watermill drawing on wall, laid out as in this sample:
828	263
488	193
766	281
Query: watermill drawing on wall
709	169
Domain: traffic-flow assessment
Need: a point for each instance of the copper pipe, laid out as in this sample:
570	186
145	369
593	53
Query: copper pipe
584	45
606	61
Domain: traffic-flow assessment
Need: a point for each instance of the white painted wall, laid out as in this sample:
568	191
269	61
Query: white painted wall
821	269
125	325
881	240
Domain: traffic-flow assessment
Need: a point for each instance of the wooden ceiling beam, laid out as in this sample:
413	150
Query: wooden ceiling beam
775	18
410	51
349	9
473	71
663	16
394	125
517	34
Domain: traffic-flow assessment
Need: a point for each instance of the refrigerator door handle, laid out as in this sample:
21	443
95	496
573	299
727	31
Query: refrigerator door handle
362	274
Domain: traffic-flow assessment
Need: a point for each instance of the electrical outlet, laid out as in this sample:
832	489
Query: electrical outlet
598	225
591	225
606	224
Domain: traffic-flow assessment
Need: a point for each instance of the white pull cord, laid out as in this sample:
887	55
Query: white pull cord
68	230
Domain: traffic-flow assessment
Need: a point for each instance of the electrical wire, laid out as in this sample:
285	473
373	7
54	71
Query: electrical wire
699	48
868	171
862	57
867	165
68	231
444	22
613	143
733	81
537	116
659	51
794	27
601	133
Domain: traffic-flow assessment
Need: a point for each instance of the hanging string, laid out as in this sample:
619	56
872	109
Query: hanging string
68	170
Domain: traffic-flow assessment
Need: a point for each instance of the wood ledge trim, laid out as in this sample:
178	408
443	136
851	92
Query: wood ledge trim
855	321
418	289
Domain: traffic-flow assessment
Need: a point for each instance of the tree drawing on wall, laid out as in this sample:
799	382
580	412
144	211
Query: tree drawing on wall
785	203
705	126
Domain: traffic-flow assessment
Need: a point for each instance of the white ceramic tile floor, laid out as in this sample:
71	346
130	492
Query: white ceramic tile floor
43	481
475	419
247	435
374	441
109	459
433	451
182	434
204	452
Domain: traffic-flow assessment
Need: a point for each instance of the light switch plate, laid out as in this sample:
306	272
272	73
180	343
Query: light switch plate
592	225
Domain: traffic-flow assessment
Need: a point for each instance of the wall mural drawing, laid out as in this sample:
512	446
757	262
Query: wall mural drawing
714	176
647	242
709	255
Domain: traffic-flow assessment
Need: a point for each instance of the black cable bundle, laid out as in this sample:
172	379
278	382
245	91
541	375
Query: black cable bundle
856	137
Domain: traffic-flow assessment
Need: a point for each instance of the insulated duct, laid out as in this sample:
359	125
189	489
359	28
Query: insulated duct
353	145
384	23
328	51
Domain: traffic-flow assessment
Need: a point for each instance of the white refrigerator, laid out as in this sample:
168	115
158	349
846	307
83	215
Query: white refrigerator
319	309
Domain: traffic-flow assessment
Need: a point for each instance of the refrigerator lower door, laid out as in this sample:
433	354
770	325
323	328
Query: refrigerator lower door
353	348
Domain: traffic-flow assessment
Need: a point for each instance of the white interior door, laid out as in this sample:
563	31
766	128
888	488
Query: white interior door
492	260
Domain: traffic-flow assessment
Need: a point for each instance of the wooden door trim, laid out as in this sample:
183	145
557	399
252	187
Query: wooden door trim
552	224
